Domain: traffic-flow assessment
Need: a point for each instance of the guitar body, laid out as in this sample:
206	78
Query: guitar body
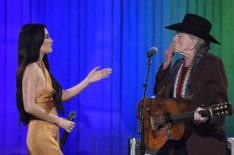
157	130
164	119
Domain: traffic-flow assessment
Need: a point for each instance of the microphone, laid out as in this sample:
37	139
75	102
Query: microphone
152	51
71	117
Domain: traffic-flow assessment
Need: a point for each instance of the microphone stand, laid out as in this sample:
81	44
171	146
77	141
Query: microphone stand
141	121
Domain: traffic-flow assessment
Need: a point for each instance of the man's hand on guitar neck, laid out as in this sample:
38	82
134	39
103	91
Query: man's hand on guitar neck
198	118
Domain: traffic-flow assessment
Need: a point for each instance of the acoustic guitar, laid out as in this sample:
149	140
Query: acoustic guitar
165	119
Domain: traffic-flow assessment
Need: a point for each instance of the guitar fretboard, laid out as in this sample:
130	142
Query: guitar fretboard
185	117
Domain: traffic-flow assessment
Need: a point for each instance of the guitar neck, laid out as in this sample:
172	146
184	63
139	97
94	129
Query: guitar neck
185	117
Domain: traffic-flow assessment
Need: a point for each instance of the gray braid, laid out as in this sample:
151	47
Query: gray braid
201	48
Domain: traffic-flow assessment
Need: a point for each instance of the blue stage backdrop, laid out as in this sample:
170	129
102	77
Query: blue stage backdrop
88	33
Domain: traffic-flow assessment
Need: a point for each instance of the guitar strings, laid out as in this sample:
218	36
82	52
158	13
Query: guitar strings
163	119
185	115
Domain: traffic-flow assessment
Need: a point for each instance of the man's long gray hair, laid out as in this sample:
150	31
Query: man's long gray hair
202	46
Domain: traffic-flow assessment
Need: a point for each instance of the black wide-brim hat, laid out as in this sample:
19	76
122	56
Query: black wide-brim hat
195	25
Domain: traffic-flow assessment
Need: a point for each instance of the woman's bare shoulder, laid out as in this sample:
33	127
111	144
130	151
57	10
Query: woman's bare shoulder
32	69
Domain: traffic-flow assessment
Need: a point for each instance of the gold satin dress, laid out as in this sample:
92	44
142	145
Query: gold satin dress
43	137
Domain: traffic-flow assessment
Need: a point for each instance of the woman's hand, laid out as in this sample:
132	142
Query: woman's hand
198	118
93	76
65	124
96	74
169	54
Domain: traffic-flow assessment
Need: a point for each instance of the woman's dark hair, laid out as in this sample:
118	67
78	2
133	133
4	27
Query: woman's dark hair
30	40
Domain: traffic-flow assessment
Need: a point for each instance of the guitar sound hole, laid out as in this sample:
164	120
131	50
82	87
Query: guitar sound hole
159	127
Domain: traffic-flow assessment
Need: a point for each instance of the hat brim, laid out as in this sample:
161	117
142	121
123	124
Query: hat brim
188	28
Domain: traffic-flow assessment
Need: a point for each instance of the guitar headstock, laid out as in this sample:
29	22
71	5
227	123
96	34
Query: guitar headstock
221	109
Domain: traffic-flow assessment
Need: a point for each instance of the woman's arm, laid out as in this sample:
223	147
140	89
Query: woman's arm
93	76
29	84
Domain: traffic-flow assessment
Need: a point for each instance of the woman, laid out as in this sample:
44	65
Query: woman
199	78
39	95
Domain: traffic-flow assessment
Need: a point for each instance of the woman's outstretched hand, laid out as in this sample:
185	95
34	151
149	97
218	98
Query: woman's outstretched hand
96	74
